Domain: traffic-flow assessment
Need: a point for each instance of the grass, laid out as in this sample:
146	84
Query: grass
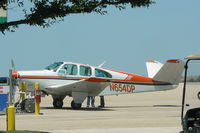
25	131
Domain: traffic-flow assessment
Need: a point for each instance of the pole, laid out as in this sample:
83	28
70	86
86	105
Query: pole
11	91
23	90
11	108
37	104
11	118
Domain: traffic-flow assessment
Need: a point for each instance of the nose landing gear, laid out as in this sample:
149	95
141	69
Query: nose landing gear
75	105
57	103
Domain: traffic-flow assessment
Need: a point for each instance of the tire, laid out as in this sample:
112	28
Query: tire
75	105
30	105
198	95
57	103
16	104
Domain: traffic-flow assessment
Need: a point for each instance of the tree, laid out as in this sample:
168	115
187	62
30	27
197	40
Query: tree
198	79
44	13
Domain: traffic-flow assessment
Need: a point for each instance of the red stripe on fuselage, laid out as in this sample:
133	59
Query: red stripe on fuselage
129	78
134	78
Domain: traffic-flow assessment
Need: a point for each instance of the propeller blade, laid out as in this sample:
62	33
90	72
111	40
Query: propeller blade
13	65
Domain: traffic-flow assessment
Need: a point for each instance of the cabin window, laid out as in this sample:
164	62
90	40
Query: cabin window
102	73
85	71
69	69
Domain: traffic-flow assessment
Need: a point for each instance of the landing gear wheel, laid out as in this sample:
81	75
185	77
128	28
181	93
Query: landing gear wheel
57	103
198	95
75	105
28	105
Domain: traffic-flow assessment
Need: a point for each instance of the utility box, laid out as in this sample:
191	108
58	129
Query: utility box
4	85
3	103
4	90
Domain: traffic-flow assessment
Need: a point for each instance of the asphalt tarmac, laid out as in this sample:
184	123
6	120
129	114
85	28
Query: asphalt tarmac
152	112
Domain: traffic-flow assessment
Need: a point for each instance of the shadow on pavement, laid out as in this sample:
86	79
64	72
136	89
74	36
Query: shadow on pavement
166	105
82	109
107	108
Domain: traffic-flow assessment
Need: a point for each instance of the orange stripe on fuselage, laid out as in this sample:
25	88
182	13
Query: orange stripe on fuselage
129	78
97	79
138	78
133	78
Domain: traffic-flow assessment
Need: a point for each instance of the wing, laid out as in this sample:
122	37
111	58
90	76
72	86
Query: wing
93	86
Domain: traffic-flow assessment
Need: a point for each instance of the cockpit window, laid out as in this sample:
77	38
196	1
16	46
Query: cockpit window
54	66
85	71
101	73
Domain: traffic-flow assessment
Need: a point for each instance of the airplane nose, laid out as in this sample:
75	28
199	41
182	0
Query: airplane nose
14	75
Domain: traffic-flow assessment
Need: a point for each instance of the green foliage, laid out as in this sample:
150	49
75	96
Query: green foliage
198	79
47	12
25	131
193	79
3	4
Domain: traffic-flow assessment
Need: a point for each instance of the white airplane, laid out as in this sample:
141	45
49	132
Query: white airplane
63	79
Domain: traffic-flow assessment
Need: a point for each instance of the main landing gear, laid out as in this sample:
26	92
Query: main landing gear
75	105
58	104
78	98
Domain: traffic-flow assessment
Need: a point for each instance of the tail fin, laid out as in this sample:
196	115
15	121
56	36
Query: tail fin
170	72
153	67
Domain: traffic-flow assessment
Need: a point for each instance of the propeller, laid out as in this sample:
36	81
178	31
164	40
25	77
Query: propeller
13	65
13	82
14	74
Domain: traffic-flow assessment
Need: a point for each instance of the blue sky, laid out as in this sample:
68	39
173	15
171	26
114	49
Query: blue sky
124	39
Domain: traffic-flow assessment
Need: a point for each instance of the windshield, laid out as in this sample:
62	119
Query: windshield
54	66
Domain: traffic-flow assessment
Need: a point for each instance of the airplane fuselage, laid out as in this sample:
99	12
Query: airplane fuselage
80	80
113	83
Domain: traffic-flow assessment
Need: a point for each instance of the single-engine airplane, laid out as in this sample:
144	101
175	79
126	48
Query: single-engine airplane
63	79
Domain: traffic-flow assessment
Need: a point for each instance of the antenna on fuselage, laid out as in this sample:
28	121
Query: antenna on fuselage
102	64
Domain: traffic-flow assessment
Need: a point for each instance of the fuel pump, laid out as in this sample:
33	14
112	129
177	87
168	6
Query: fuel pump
38	96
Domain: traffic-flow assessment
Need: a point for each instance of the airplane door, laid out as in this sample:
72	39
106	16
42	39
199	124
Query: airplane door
68	70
